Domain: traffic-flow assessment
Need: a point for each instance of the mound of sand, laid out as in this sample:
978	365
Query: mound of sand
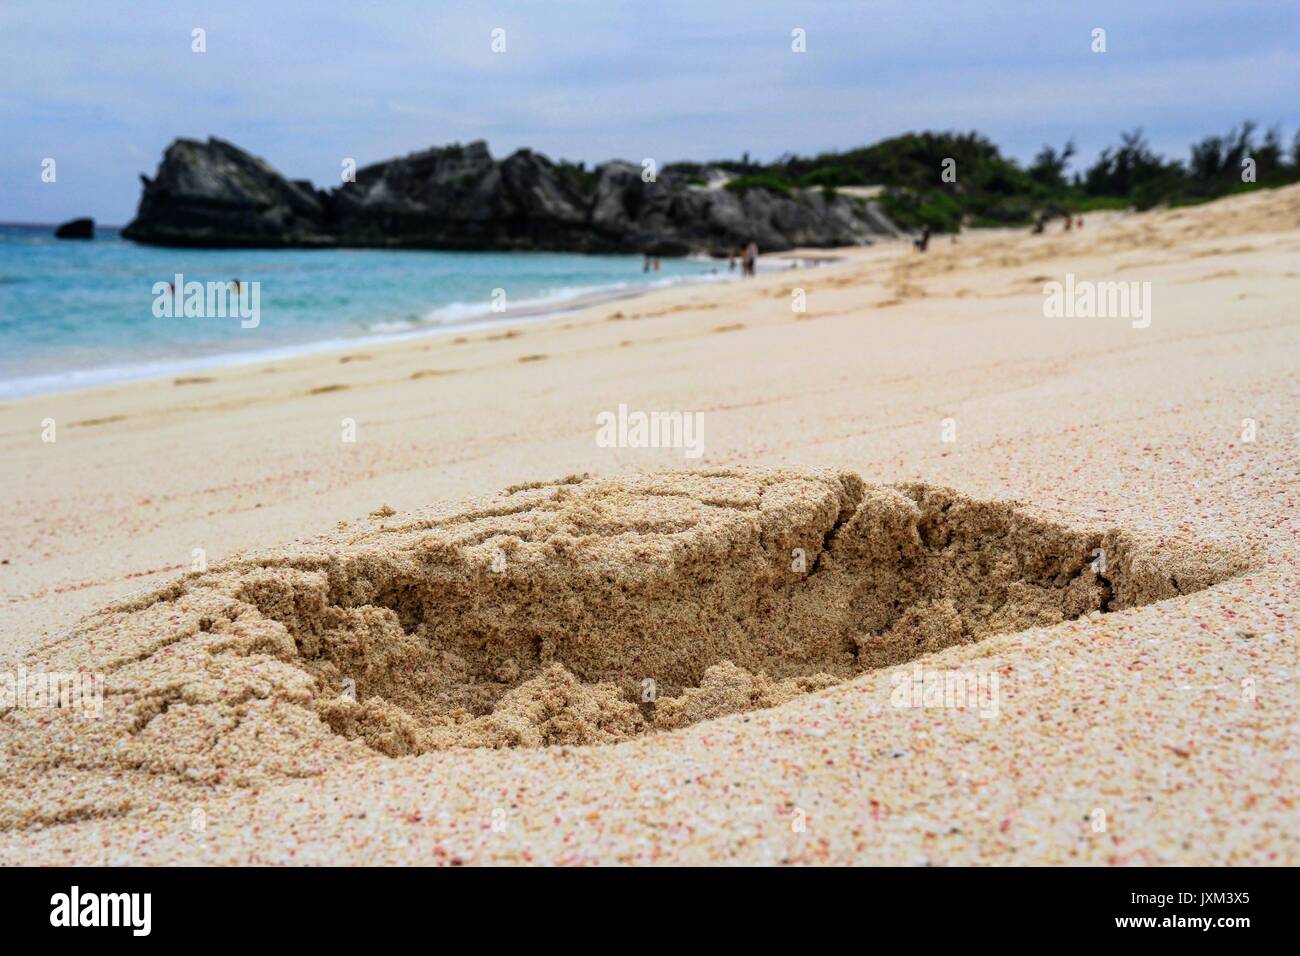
581	612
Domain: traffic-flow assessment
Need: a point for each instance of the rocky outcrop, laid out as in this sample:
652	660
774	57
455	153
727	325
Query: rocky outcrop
215	194
459	197
76	229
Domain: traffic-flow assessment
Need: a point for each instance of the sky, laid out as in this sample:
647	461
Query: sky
103	86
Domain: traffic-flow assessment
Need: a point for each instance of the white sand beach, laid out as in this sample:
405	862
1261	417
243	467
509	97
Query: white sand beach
1146	713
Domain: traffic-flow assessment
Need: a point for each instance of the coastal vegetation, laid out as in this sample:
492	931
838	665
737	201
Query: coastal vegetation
988	188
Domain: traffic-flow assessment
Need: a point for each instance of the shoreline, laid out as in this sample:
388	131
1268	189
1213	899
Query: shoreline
531	311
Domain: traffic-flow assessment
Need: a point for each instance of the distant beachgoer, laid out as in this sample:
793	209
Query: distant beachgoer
1080	222
656	263
645	263
923	241
1069	223
1039	224
731	261
750	259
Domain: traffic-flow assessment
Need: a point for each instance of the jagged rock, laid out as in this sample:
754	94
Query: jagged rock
459	197
215	194
76	229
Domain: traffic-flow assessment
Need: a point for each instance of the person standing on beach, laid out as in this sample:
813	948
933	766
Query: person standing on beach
923	242
749	259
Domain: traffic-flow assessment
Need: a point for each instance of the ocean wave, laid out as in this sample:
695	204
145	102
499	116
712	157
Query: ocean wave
397	324
563	298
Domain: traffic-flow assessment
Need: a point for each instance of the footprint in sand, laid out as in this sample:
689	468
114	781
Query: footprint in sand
735	590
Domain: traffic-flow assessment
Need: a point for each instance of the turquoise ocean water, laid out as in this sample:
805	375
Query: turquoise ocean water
74	314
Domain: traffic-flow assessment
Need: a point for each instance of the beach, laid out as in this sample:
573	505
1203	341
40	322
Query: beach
1154	724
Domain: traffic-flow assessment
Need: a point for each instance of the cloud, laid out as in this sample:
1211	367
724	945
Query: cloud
304	83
